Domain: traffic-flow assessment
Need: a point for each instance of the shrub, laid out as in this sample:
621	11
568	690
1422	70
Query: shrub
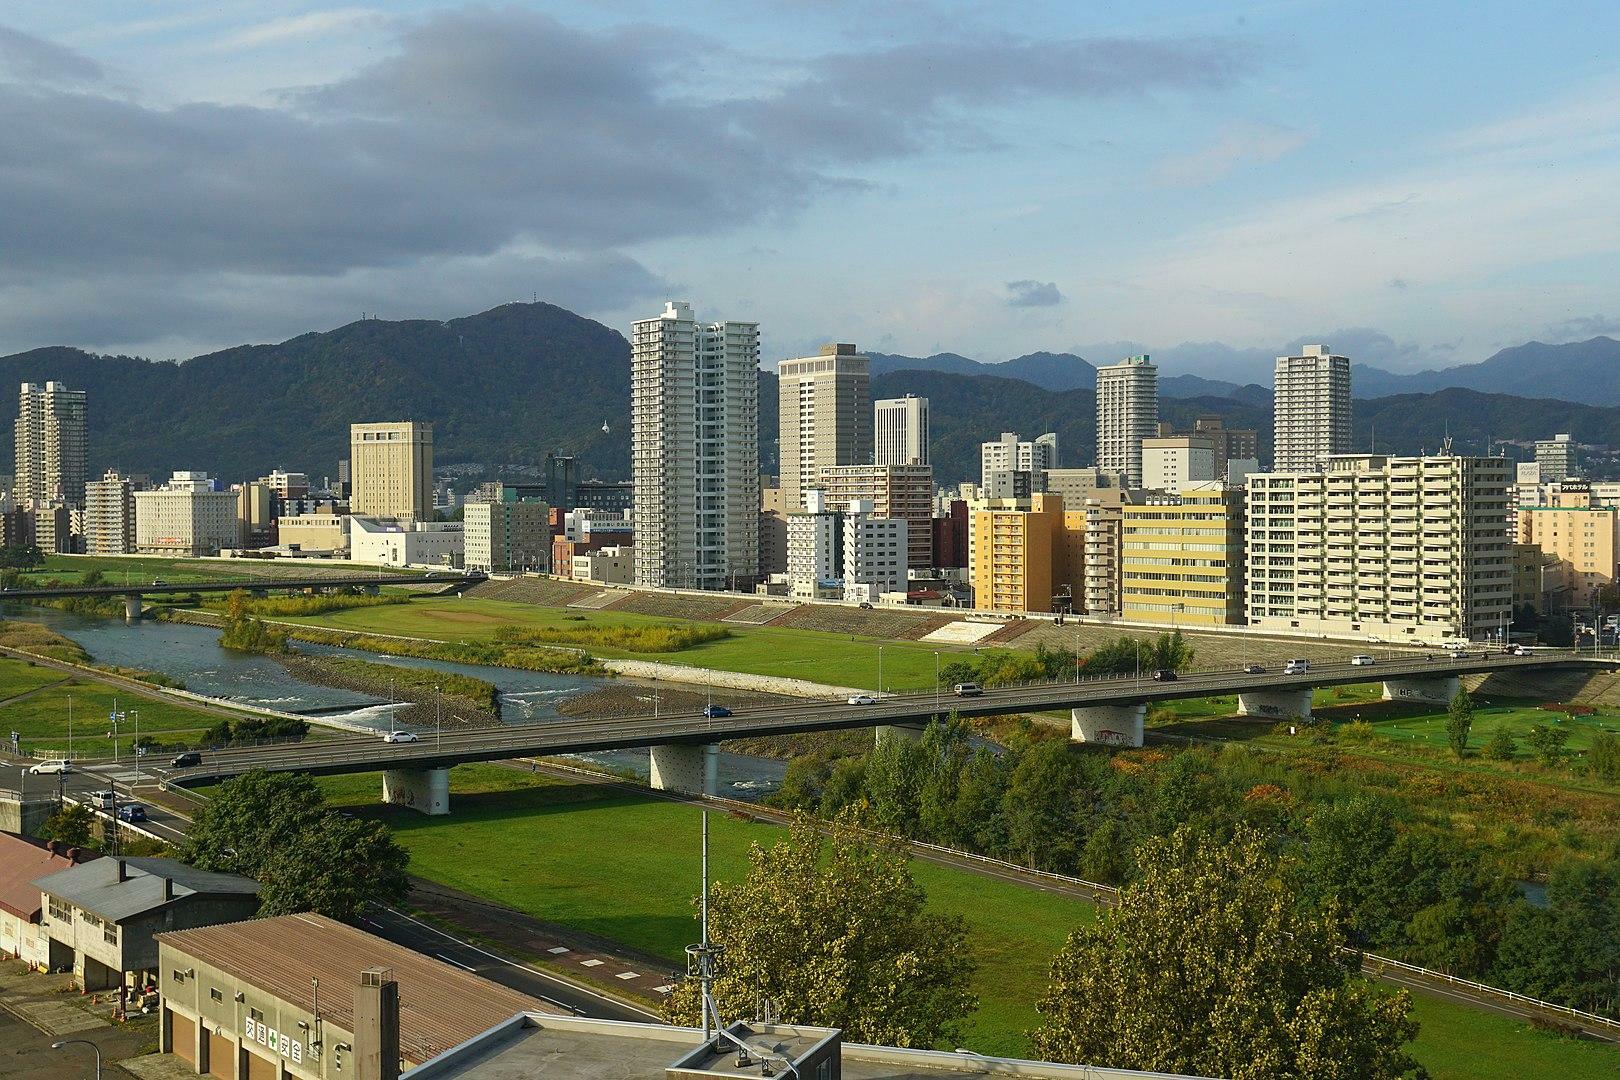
1501	745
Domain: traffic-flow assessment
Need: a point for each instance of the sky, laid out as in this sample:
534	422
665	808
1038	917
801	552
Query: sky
1417	185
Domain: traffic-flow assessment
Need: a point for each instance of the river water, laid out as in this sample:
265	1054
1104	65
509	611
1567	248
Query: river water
192	654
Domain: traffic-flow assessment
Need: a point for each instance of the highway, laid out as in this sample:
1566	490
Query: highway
367	753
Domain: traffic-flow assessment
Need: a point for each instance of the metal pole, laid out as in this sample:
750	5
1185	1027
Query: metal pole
880	673
438	720
61	1043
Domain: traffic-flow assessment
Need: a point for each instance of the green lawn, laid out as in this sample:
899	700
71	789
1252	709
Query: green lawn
626	867
42	717
805	654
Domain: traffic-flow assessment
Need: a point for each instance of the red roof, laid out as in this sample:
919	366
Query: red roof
21	861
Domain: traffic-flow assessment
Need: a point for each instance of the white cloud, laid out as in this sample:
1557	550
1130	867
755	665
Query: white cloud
1238	144
299	27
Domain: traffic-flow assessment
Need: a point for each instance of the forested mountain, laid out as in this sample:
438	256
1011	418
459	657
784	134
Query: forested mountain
508	385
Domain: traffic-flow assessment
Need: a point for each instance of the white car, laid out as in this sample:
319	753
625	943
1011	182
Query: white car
400	736
862	699
1361	660
52	765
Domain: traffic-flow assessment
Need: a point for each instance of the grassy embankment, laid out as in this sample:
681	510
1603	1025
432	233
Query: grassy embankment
120	570
625	867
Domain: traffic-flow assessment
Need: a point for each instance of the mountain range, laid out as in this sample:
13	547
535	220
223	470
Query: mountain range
506	386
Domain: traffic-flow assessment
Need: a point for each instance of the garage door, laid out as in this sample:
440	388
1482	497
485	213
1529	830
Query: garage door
183	1038
261	1068
221	1057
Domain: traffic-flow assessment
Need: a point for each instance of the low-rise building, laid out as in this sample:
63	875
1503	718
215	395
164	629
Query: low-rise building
185	517
103	917
314	534
604	566
22	905
509	536
405	542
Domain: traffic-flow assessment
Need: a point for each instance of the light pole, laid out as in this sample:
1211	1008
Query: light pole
438	719
62	1043
936	684
136	713
880	673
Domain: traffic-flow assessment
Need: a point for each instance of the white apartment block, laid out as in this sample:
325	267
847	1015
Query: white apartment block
1172	462
109	515
1402	548
874	553
1009	453
1556	458
391	468
694	434
900	431
185	517
507	536
895	491
825	416
814	547
50	445
1127	413
1312	409
394	542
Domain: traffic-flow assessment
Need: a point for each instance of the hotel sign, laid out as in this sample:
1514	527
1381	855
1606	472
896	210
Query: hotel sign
277	1042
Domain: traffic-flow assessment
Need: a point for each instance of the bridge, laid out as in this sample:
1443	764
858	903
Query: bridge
683	745
135	592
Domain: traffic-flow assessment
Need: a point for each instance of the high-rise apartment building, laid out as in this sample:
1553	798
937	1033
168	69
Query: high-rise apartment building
1556	456
1311	409
1127	413
50	445
1181	558
109	515
391	469
825	415
900	431
507	536
1016	547
1404	548
874	553
694	432
905	492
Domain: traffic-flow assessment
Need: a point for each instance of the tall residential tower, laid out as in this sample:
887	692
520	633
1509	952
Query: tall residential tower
1311	407
825	416
1127	413
694	451
50	445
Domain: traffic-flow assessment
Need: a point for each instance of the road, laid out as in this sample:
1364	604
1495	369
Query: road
385	922
568	736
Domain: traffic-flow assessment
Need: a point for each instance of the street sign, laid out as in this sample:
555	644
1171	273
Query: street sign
140	751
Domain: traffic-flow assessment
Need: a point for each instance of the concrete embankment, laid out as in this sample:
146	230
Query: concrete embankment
731	680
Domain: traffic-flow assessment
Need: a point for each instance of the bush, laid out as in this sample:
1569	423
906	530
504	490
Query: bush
1501	746
660	638
1604	757
319	604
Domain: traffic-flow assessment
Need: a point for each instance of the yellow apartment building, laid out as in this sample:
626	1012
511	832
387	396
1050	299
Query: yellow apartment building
1181	558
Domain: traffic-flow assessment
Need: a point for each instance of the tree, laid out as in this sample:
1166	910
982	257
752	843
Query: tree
70	825
1046	797
1459	720
1568	951
1548	743
249	815
1209	966
1501	746
831	929
1604	757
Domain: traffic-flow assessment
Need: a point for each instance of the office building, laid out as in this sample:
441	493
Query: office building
1173	462
815	561
109	515
391	469
1181	558
507	536
50	445
905	492
1312	409
1227	444
1556	458
1015	547
1581	543
900	431
1127	413
825	414
186	516
875	555
288	486
1078	485
613	565
694	433
1402	548
255	514
405	542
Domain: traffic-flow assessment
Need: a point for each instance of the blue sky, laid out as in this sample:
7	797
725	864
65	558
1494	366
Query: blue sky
1417	184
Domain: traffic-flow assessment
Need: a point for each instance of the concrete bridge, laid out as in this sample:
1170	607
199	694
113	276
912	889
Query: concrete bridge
136	592
683	746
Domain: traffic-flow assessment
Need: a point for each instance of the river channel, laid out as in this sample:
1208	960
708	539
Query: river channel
192	654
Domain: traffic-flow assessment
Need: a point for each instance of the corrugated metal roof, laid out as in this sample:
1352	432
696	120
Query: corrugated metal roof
95	887
21	861
440	1005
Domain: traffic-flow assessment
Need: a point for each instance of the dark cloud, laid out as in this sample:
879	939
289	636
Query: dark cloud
1583	327
484	133
1033	294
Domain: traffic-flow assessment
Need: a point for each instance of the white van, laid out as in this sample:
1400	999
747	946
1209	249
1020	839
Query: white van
1296	667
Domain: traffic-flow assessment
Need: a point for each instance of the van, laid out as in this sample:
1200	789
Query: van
968	689
101	800
1296	667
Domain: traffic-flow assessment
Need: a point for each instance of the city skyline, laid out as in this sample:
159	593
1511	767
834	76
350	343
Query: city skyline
1232	232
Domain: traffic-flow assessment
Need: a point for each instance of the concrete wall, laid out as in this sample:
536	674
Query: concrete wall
23	939
18	815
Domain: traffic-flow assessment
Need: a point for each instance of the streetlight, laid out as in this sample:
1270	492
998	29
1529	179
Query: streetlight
880	673
438	719
61	1043
936	684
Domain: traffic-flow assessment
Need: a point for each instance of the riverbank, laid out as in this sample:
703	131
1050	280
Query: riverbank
424	697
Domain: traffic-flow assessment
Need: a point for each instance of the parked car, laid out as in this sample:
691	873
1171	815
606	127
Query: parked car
715	712
101	800
132	812
1361	660
968	689
1296	667
185	760
1164	674
1254	669
52	765
862	699
400	736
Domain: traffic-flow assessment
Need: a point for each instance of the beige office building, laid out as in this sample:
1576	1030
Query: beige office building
185	517
314	533
895	491
391	468
1181	558
825	416
1580	544
50	445
1402	548
507	536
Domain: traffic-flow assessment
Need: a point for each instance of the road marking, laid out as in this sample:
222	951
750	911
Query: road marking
593	962
457	963
371	922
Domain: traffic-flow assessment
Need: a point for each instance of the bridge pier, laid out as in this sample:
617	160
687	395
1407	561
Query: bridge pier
1276	704
908	732
1433	690
685	767
1111	725
132	606
427	790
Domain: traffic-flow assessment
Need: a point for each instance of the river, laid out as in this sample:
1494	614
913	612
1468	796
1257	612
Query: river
192	654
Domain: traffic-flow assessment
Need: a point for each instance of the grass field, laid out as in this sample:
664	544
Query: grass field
626	866
138	570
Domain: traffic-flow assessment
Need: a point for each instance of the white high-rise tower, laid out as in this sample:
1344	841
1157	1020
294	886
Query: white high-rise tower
1127	413
1311	409
694	434
900	427
50	444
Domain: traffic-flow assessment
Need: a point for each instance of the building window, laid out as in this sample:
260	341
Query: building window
214	994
